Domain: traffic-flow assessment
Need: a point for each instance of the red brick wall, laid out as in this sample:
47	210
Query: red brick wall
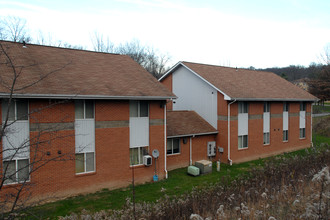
256	149
58	178
167	82
199	151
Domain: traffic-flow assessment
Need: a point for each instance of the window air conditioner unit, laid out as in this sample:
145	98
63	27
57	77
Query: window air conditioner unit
147	160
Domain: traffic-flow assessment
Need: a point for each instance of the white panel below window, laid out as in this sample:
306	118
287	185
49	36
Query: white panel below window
285	121
243	124
302	120
16	141
138	131
266	118
85	135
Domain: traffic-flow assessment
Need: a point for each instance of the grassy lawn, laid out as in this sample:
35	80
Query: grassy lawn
178	183
321	109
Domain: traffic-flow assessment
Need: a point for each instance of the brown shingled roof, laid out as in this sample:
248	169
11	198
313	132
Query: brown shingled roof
186	123
67	72
247	84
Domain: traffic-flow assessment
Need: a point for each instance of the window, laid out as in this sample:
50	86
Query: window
18	110
302	133
139	109
84	109
285	135
136	155
243	107
302	106
173	146
266	107
266	138
242	141
85	162
285	106
16	171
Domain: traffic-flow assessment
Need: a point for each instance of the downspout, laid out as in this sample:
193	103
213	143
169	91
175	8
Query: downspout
165	142
190	150
312	124
228	119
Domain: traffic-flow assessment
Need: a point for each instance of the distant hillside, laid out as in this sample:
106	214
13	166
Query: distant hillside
293	72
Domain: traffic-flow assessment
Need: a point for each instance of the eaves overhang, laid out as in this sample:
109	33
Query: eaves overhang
192	135
72	96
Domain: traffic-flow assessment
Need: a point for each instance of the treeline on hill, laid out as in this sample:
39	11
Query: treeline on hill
294	72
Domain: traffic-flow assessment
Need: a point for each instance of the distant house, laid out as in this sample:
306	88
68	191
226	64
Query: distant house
256	114
80	121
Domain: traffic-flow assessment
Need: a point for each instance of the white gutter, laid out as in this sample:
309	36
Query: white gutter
73	96
230	161
193	135
165	143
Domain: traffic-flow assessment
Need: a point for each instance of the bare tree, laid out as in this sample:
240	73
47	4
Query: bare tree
22	155
100	44
14	29
149	58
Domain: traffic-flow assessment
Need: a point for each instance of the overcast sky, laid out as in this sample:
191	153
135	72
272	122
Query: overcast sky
242	33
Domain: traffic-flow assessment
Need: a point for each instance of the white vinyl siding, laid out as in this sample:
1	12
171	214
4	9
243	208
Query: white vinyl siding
243	124
84	136
194	94
15	142
266	123
302	120
139	124
286	121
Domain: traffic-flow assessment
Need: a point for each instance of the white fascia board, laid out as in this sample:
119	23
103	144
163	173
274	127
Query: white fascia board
169	71
192	135
226	97
276	99
71	96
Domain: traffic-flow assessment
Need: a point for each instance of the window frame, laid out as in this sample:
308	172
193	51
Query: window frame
302	133
139	108
140	162
84	109
266	107
5	102
17	171
302	106
243	107
241	143
267	142
172	145
85	163
286	107
286	135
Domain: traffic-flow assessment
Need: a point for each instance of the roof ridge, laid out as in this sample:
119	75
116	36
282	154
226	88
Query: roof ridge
59	47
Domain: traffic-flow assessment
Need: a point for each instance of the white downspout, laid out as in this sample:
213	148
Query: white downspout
190	150
165	142
312	124
228	119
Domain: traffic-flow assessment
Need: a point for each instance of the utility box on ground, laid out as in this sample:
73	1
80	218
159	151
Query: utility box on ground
204	166
194	171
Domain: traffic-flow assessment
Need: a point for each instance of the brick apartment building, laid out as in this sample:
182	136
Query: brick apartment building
79	121
257	114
